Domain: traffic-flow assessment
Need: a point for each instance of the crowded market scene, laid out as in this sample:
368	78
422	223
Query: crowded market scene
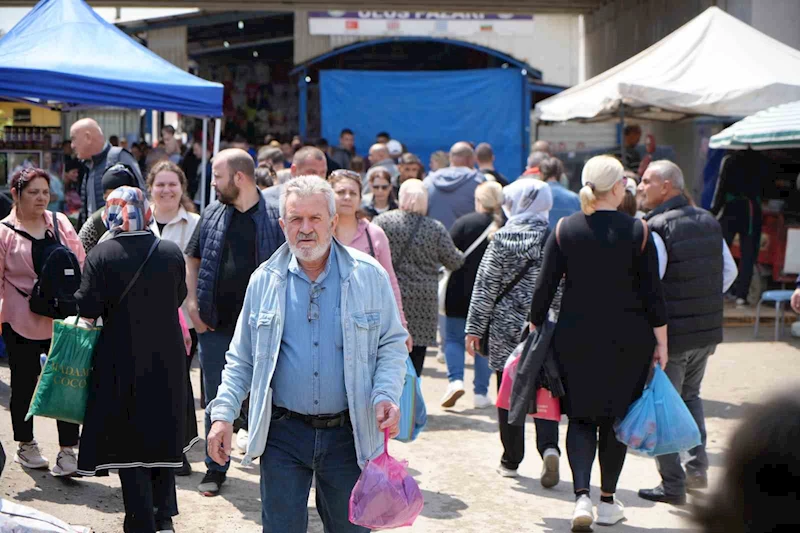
566	226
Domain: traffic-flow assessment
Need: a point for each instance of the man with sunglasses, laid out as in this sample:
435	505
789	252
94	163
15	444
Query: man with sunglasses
321	350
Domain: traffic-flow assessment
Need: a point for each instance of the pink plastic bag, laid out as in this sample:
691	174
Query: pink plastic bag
385	496
509	373
187	339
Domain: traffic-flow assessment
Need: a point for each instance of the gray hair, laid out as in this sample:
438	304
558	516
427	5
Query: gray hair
536	158
306	186
668	171
283	175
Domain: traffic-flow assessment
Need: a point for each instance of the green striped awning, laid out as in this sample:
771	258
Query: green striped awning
776	127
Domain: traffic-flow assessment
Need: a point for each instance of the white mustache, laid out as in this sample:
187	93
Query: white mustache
307	236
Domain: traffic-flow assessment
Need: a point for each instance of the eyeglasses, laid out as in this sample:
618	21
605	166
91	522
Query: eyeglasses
381	187
313	303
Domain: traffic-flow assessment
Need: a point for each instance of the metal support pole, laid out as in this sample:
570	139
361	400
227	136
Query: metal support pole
217	133
203	169
302	86
527	98
622	132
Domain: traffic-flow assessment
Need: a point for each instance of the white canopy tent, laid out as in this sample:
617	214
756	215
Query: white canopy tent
714	65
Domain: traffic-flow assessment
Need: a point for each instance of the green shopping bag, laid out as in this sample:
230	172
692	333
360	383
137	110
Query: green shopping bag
64	382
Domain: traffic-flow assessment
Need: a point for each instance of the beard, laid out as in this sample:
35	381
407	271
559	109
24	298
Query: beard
314	253
228	195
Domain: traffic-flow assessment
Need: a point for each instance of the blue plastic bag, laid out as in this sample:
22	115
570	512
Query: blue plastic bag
413	414
659	422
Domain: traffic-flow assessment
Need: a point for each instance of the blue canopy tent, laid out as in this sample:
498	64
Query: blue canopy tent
64	55
429	110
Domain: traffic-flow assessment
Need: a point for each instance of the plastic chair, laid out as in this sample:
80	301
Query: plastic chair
779	297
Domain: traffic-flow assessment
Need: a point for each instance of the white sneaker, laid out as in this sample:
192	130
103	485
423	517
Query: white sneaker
550	468
66	463
482	401
241	440
507	472
440	357
455	390
609	514
30	456
583	516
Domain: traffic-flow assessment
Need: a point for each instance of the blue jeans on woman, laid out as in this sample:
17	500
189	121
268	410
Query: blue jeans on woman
454	348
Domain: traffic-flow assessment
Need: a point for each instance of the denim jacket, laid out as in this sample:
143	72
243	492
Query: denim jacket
374	349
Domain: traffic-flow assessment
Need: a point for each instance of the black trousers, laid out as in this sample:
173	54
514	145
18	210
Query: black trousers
23	360
735	220
582	443
417	356
149	497
513	437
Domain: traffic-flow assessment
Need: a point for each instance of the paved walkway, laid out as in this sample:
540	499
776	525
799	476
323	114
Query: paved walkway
454	461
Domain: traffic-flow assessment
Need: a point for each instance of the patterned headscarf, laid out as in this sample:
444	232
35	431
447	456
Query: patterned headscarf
126	210
527	200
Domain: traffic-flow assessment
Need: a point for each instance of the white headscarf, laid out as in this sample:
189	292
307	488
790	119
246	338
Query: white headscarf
527	200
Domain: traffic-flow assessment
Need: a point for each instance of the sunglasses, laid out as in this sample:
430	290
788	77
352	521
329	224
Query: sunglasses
313	302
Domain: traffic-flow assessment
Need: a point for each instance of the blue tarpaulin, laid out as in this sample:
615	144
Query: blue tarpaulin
64	52
430	110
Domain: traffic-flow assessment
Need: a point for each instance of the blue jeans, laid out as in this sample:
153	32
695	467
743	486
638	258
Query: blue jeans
295	452
454	348
213	345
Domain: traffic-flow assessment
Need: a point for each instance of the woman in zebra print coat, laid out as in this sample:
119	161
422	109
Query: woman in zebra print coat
515	247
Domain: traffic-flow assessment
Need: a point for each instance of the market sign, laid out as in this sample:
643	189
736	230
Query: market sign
417	23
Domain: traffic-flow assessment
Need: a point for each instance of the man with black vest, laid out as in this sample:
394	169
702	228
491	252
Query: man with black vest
696	269
234	236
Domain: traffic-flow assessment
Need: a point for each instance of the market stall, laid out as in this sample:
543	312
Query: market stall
64	56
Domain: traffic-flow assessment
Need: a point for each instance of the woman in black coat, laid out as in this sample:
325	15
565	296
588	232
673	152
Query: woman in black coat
611	328
135	412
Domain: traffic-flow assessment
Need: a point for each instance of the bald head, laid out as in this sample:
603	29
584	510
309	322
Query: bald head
237	161
462	155
87	138
378	152
310	161
542	146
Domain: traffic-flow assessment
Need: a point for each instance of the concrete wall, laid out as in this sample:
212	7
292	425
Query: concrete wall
553	47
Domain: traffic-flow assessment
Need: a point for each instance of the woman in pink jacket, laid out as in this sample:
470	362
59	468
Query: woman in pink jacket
357	232
26	334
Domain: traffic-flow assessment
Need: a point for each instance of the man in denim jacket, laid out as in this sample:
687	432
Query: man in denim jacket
321	350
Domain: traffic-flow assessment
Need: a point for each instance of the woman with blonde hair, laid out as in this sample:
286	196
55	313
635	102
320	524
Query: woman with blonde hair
355	231
611	328
471	234
420	246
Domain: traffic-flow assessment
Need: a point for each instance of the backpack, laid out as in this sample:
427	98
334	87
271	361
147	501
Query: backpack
58	271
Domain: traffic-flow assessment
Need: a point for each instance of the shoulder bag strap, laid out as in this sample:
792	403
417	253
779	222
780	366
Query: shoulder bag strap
19	231
138	272
369	240
514	282
411	237
479	240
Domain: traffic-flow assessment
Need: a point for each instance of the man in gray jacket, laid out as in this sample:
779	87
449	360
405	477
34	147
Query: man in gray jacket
451	190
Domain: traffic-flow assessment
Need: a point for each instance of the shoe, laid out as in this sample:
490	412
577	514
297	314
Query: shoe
550	475
741	302
440	357
609	514
507	472
30	456
482	401
185	469
583	516
241	440
66	463
212	483
165	526
696	482
455	390
658	495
